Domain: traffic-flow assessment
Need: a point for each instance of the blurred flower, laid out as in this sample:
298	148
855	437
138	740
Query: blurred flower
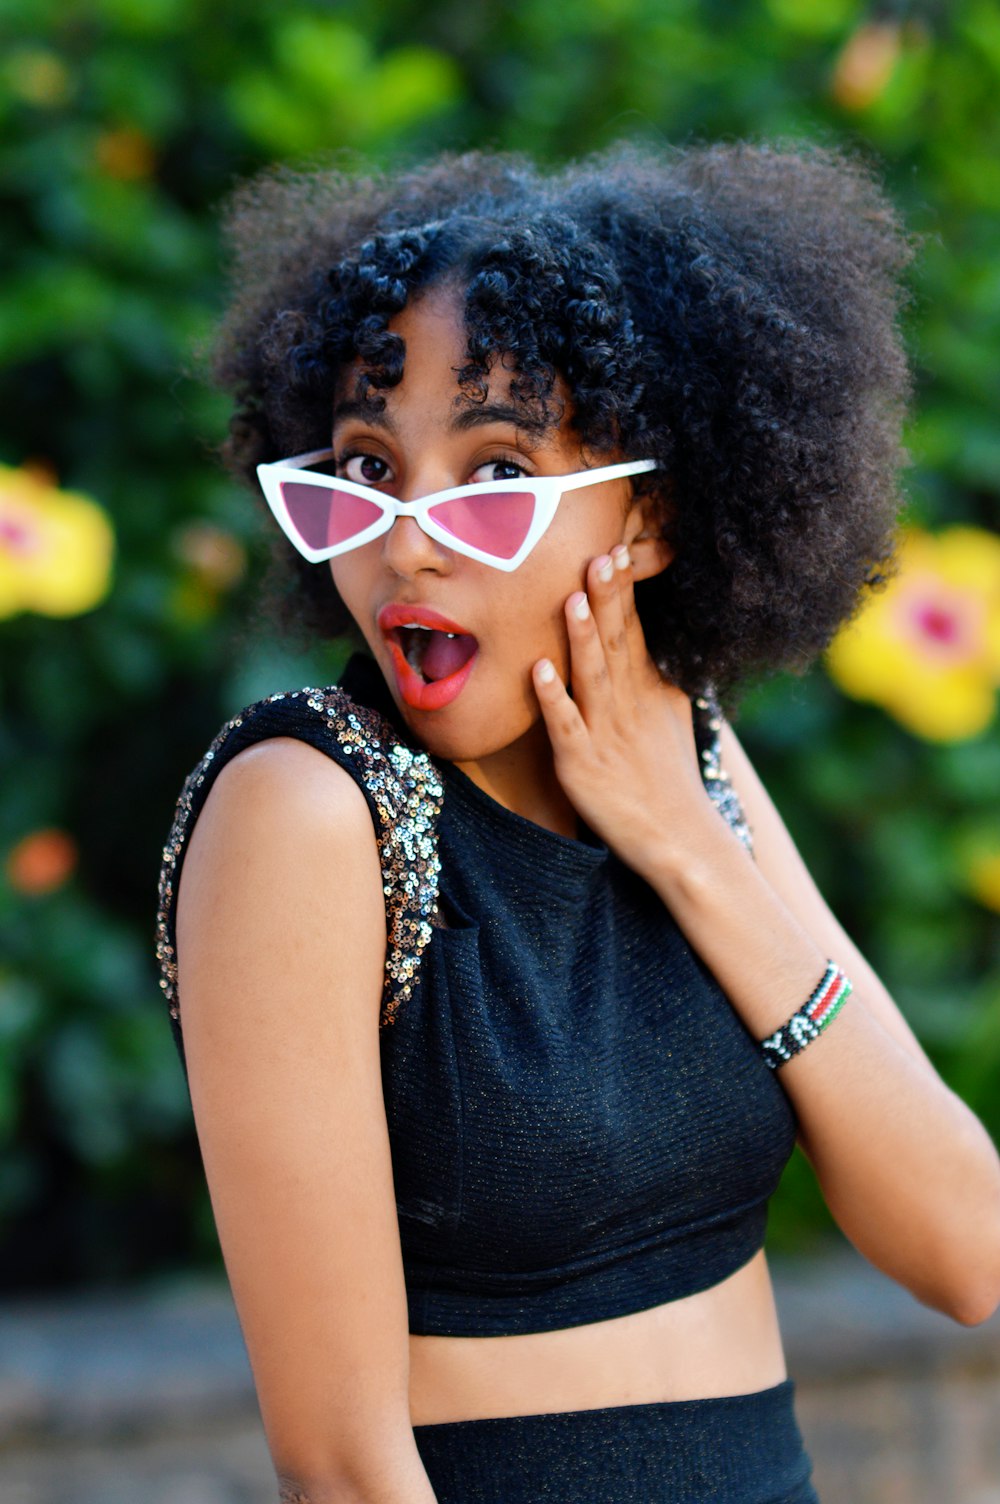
983	876
56	547
36	76
976	854
125	153
216	556
215	560
41	861
866	64
927	648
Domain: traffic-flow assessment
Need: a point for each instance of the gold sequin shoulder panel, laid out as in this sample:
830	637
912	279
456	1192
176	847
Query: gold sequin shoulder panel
404	794
708	721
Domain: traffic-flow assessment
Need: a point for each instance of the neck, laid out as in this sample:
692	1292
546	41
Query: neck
522	777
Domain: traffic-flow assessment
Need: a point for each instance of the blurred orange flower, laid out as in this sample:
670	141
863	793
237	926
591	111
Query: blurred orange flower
217	557
125	152
56	547
214	560
41	861
866	64
927	648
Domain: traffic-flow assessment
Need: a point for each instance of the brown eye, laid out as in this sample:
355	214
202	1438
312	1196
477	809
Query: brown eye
364	469
498	469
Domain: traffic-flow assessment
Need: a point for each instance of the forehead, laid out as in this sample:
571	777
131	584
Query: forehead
442	377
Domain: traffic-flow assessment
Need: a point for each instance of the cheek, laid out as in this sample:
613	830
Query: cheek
348	582
555	571
532	624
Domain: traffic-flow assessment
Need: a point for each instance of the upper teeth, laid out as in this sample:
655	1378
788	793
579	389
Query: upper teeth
419	626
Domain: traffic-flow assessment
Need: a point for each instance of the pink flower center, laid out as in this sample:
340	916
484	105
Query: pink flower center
17	536
940	625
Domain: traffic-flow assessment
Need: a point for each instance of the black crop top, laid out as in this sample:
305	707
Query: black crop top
580	1125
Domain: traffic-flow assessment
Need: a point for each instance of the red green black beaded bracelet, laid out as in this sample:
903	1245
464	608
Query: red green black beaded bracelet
820	1009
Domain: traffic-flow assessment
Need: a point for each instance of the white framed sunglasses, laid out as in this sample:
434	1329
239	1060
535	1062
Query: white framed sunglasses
496	522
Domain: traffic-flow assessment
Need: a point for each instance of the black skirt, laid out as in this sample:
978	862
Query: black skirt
741	1449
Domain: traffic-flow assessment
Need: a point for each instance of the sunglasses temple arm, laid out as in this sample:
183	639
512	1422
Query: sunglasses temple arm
577	482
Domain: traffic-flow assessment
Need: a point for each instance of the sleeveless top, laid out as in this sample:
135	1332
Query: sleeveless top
580	1124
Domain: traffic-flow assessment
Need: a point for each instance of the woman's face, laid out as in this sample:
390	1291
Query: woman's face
469	696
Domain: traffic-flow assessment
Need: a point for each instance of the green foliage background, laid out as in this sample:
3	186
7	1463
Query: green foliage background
123	122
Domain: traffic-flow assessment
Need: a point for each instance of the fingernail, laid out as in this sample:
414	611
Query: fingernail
581	608
622	557
546	672
605	570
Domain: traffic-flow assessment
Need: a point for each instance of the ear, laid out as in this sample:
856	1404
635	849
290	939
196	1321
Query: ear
650	551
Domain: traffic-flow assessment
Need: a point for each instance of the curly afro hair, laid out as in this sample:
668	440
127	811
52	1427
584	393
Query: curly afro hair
731	311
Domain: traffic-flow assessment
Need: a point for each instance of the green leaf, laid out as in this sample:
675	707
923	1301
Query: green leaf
50	306
814	18
148	19
408	85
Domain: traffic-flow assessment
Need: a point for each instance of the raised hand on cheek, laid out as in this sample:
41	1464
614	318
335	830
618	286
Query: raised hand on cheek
623	744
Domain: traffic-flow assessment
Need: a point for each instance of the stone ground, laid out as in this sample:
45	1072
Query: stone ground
145	1398
897	1404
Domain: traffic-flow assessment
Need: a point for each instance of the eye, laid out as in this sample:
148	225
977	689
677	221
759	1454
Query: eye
364	469
498	469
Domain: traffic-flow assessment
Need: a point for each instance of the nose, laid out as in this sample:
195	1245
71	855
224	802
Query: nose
407	550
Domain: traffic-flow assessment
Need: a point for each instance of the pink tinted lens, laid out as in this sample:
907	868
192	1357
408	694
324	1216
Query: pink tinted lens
324	514
496	524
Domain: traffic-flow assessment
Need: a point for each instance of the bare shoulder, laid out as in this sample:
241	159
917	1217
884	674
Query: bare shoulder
284	779
283	851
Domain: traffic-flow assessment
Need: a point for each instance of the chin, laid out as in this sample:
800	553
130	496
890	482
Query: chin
469	733
453	743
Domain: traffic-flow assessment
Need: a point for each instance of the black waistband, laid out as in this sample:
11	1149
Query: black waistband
743	1449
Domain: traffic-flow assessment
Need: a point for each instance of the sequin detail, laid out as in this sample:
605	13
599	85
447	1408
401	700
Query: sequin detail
407	793
707	726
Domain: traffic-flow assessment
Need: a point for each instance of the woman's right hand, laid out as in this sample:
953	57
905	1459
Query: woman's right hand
623	744
281	947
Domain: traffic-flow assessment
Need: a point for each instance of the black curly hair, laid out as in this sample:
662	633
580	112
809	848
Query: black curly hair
731	311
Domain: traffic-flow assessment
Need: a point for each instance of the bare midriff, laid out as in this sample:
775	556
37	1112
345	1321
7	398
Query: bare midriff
721	1341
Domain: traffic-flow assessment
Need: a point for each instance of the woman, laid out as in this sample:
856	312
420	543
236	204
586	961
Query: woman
498	1033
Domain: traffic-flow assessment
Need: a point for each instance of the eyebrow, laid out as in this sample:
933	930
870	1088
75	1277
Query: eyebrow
352	408
494	412
477	416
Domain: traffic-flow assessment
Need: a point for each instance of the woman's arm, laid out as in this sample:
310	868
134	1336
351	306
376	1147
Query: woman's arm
281	945
779	860
907	1170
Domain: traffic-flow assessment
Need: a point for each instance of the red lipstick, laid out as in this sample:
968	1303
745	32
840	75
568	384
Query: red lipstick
432	657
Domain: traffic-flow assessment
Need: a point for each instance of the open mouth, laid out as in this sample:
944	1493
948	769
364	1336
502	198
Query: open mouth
432	654
432	657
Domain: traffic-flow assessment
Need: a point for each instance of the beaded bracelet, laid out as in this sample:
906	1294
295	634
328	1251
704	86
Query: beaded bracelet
816	1014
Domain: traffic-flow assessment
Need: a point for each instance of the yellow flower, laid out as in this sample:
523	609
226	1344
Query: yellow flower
56	547
976	856
927	648
984	878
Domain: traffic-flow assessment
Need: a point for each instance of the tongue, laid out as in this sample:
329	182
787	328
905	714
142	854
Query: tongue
445	655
